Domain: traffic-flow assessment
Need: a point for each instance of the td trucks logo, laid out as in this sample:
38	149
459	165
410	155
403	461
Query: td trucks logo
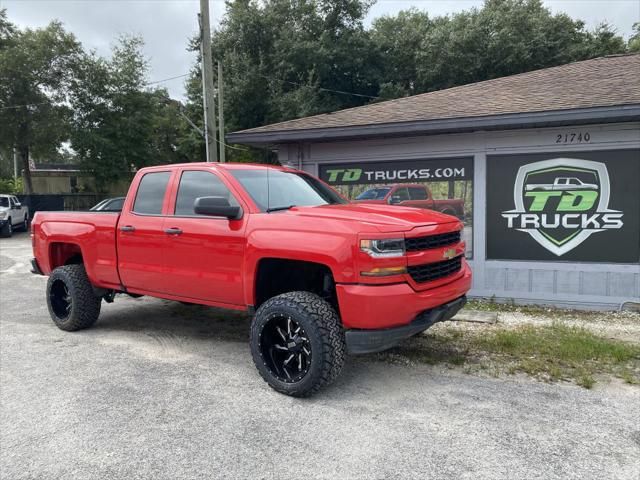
398	171
562	202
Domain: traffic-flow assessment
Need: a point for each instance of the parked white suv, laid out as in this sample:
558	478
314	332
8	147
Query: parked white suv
12	215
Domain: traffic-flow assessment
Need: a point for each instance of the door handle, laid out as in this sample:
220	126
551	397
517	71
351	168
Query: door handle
127	228
173	231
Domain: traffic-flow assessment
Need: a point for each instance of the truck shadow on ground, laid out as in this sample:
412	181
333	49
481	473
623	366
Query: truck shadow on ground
146	315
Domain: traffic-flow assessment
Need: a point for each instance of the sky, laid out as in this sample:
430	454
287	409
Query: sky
166	25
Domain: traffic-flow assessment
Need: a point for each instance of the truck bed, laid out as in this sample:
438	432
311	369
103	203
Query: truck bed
96	231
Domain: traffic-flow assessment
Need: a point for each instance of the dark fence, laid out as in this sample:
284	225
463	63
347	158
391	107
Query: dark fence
60	201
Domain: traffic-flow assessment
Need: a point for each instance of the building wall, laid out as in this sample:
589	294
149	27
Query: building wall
562	283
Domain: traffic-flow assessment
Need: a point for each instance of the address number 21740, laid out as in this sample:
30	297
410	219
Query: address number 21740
573	137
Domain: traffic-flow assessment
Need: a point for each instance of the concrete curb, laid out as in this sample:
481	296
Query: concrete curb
476	316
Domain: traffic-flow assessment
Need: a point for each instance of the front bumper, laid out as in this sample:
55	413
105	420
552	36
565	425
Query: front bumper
375	307
370	341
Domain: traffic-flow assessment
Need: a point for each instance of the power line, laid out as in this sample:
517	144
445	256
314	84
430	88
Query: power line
24	106
342	92
166	79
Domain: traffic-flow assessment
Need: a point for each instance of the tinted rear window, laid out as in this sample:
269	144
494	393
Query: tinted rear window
151	193
417	193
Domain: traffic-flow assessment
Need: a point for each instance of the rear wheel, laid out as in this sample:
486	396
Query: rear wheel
297	343
25	224
72	303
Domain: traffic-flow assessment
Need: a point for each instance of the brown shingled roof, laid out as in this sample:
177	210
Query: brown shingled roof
600	82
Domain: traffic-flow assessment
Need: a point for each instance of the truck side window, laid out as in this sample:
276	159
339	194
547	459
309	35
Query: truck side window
151	193
400	195
418	193
198	183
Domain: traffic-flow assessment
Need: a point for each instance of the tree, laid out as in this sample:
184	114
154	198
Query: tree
288	59
120	125
505	37
36	67
633	45
397	39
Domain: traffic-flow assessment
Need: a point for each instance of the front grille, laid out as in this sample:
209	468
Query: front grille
434	271
431	241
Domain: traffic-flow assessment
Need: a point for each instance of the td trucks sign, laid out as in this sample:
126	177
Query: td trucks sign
398	171
564	207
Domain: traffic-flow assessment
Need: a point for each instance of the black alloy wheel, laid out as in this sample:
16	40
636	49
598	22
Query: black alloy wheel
297	343
285	348
72	302
60	299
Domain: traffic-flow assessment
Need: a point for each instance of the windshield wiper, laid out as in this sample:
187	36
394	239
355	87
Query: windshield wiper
275	209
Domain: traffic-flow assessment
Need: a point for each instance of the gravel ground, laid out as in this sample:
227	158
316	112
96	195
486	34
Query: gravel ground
159	390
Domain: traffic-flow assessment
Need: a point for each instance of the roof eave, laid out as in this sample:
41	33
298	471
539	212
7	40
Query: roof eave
609	114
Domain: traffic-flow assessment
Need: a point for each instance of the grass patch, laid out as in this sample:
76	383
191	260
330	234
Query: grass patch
556	352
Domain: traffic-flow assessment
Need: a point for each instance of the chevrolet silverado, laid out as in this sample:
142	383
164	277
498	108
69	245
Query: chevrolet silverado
321	277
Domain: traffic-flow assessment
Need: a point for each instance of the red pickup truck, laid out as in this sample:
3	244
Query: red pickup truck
323	277
408	195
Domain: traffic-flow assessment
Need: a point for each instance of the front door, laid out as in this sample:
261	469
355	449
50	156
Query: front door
141	235
203	254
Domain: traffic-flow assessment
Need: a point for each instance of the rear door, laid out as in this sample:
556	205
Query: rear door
204	254
140	235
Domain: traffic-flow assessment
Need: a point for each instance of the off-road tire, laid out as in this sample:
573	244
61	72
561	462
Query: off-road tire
7	229
85	305
326	336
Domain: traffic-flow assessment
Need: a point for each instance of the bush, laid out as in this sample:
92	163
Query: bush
11	186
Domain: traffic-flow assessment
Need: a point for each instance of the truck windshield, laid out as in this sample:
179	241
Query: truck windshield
284	189
374	194
4	202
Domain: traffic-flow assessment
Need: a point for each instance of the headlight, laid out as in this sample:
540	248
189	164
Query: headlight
3	215
387	248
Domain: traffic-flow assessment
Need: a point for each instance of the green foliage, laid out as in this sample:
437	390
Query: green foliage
118	124
397	39
36	68
505	37
286	59
11	186
634	41
552	352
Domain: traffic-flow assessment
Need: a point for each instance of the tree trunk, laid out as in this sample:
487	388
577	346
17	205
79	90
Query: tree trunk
451	189
23	151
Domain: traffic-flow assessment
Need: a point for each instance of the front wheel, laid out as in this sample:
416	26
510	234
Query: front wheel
72	303
297	343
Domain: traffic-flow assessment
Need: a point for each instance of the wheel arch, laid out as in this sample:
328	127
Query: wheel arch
276	275
64	253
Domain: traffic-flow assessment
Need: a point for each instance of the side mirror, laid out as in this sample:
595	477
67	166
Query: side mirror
395	199
216	207
17	205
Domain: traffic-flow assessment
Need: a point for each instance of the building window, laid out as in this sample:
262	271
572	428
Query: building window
444	185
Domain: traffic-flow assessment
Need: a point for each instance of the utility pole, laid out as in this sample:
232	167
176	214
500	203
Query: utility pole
15	165
207	83
221	113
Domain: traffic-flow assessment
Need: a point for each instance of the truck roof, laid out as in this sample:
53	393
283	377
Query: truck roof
220	166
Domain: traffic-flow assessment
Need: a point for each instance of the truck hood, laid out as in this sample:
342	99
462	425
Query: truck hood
4	209
386	218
